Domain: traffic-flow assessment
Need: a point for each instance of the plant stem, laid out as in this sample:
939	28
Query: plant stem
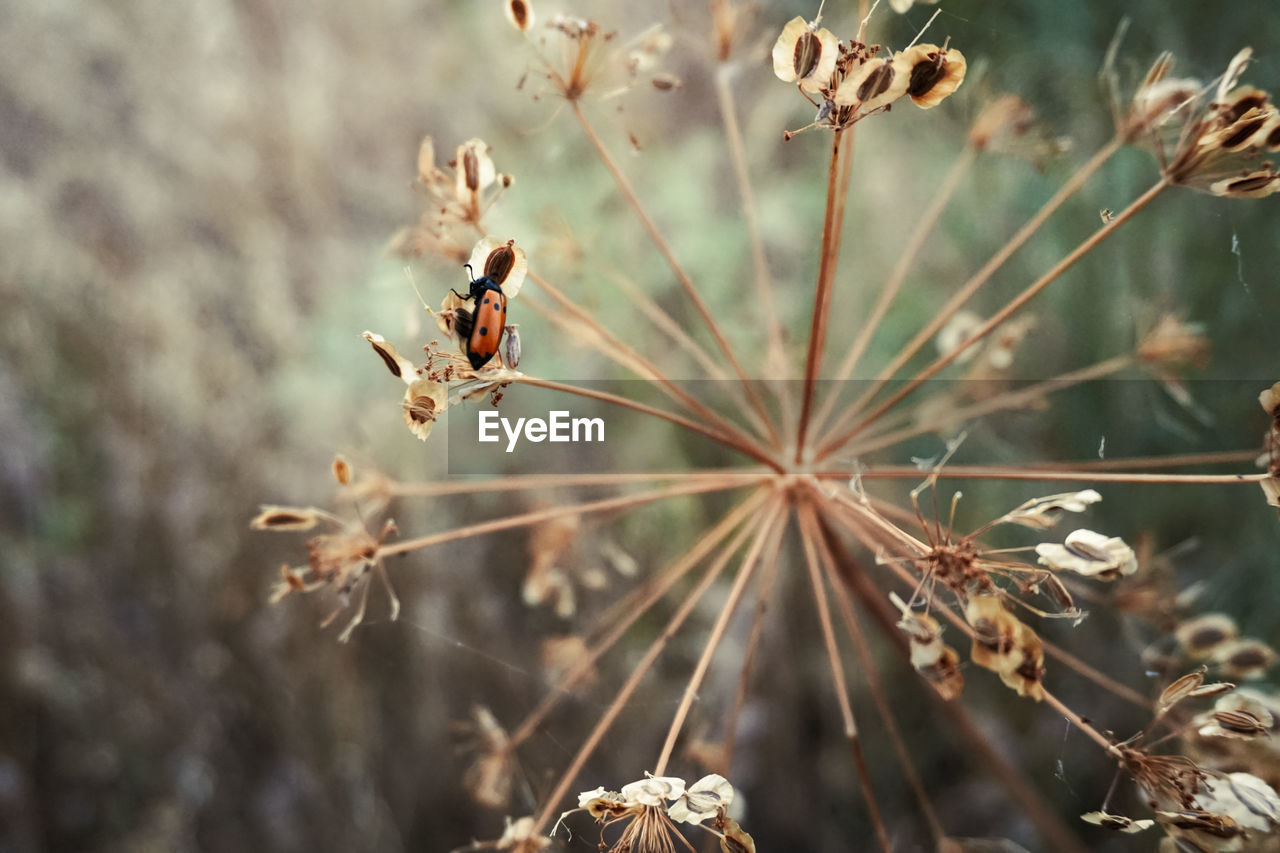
736	441
959	170
1017	303
983	275
1017	398
530	518
822	293
996	472
557	481
612	347
809	535
650	594
624	186
745	572
1056	835
775	353
878	692
633	680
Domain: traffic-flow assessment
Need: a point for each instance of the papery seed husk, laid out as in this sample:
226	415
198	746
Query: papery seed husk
341	471
285	518
1180	689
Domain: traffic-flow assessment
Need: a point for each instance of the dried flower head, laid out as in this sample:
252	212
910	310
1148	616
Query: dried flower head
1213	144
456	201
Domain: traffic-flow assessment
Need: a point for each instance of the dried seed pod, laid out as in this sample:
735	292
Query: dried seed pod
805	54
511	349
1179	690
1243	658
933	73
1116	822
1200	636
520	14
284	518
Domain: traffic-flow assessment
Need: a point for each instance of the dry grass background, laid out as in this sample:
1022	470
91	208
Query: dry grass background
193	205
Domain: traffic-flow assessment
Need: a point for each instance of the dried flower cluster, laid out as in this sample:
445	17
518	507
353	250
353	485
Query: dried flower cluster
1210	138
853	81
813	470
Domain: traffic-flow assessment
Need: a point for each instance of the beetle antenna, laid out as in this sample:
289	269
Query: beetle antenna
470	271
408	273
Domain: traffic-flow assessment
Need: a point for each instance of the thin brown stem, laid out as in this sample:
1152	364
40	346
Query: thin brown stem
1055	834
667	324
1016	304
983	275
808	537
553	481
749	653
745	572
996	472
775	352
637	606
878	693
624	186
736	441
611	346
633	681
1079	722
1096	676
822	293
954	177
1015	399
538	516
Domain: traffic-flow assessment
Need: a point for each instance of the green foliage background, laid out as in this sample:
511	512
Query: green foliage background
195	203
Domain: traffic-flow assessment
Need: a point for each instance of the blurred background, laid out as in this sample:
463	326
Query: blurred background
195	202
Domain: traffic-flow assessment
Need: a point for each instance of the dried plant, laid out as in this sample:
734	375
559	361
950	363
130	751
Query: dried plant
812	466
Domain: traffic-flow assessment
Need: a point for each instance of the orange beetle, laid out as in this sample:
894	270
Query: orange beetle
482	327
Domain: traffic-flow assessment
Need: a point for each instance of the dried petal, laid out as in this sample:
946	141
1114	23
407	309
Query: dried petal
934	73
1179	690
1256	184
1244	658
1043	513
1006	646
424	401
653	790
341	471
736	839
1235	724
520	14
1120	823
703	800
501	261
519	836
1270	400
876	83
1200	636
399	366
1091	554
271	517
805	54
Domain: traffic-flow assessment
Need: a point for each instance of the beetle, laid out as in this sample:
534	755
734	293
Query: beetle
481	328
